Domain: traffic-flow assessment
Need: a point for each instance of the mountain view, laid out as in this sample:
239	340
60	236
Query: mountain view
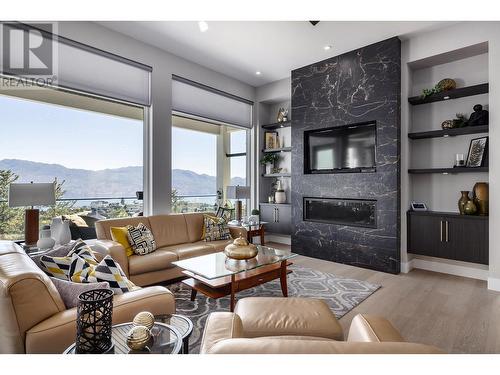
118	182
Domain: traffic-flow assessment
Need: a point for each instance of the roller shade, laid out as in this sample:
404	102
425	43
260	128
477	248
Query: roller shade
78	66
202	101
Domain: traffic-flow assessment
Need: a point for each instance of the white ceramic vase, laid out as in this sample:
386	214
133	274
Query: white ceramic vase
60	231
280	196
46	241
269	168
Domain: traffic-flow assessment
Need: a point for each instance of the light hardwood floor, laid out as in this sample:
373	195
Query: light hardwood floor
456	314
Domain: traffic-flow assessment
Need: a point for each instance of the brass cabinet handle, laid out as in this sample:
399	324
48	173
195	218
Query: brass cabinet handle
441	230
447	239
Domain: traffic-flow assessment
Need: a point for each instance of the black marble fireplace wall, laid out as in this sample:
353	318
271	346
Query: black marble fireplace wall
361	85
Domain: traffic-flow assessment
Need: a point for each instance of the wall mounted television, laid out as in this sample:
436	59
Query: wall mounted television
341	149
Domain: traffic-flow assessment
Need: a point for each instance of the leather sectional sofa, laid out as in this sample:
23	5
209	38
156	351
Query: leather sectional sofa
33	318
177	236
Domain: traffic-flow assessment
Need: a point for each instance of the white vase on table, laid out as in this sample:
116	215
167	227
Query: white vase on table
60	231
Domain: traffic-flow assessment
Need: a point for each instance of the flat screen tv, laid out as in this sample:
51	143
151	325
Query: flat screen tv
349	148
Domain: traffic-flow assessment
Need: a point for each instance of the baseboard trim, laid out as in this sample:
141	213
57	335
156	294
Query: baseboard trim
452	269
406	266
494	284
284	239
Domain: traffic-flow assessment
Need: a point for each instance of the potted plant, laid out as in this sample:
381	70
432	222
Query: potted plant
268	160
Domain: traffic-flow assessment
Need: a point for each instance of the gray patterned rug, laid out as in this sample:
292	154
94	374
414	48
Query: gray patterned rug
341	294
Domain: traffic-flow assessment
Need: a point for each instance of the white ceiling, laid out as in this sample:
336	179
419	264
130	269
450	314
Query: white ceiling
239	49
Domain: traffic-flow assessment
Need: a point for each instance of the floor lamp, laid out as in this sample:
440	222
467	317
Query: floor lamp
29	195
238	192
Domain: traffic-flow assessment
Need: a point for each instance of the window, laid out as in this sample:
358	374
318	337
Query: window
237	148
194	166
96	158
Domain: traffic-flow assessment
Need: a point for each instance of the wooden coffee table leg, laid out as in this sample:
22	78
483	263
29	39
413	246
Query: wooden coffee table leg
284	286
233	292
262	242
194	292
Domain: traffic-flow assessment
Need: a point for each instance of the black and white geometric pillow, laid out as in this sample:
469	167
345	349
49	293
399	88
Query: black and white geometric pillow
110	271
141	239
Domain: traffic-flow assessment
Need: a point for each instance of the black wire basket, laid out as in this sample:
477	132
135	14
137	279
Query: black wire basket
94	322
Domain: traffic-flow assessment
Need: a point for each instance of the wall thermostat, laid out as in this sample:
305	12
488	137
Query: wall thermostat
418	206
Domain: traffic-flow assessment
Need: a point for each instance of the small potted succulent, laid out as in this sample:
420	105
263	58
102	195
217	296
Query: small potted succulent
269	160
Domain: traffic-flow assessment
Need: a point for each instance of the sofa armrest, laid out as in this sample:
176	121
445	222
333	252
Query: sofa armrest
369	328
237	231
116	251
220	326
56	333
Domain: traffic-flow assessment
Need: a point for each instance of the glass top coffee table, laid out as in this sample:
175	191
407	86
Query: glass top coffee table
216	275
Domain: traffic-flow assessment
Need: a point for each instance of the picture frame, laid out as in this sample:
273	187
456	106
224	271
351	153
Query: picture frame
478	148
271	139
418	206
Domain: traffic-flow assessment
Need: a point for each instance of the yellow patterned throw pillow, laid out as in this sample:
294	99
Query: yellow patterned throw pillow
215	228
120	235
60	267
110	271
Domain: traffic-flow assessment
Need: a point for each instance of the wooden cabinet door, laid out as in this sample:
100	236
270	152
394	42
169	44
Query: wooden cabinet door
424	234
467	240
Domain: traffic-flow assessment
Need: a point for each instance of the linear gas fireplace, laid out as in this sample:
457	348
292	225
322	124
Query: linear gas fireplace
354	212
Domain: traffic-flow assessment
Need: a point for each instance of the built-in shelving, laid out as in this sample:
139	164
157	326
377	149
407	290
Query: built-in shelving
273	150
452	214
449	132
277	125
448	170
450	94
277	175
275	204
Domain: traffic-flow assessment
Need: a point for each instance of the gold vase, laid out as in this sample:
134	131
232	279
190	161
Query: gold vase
463	201
481	197
240	249
470	208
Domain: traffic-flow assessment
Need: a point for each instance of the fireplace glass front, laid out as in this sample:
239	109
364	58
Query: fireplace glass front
354	212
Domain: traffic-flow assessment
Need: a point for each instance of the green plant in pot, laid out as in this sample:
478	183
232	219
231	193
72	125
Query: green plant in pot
255	212
460	121
269	160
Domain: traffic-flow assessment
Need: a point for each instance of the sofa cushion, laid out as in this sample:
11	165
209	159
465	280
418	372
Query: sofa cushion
190	250
219	245
194	222
158	260
169	229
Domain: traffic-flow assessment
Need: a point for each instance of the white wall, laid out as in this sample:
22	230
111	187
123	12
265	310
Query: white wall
164	65
435	43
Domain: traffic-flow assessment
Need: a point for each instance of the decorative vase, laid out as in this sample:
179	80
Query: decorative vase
269	168
46	241
280	196
60	231
138	338
481	197
463	201
94	314
145	319
240	249
470	208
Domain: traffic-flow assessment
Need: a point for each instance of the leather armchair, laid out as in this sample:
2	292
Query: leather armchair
288	332
33	316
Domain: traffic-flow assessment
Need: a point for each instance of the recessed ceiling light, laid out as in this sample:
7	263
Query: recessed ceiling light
203	26
326	48
258	73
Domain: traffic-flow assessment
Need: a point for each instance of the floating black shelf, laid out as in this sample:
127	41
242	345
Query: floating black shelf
277	175
277	125
448	170
273	150
449	132
450	94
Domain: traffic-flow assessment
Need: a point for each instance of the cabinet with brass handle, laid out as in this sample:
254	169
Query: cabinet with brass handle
448	235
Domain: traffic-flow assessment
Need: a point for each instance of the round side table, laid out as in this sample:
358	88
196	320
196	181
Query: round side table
182	323
166	340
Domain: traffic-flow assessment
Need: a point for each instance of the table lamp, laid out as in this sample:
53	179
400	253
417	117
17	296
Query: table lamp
238	192
30	194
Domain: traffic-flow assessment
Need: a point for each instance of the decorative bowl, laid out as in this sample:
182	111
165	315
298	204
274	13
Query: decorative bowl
447	84
240	249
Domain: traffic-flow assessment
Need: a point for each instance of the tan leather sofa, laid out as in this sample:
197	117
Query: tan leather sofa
33	318
261	325
177	236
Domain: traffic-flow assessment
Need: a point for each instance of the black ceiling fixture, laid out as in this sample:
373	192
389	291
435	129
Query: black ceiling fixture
314	23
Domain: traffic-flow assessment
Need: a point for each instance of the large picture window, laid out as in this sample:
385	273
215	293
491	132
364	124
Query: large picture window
94	157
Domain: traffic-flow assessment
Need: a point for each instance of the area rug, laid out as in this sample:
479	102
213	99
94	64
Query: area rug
341	294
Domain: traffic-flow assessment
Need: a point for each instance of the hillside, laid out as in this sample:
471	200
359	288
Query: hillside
118	182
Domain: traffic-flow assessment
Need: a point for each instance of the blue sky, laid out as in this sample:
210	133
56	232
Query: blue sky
76	138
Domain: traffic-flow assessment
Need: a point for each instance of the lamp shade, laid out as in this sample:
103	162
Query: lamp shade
238	192
30	194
